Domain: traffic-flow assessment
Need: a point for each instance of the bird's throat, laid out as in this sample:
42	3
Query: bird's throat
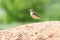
31	13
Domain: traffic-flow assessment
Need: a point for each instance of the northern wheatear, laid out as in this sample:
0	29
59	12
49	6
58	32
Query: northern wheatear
33	14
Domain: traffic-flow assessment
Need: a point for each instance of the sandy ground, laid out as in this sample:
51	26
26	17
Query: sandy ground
49	30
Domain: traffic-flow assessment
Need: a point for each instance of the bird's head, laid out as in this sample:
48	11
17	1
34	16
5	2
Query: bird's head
31	10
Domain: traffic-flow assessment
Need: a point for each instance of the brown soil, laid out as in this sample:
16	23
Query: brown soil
49	30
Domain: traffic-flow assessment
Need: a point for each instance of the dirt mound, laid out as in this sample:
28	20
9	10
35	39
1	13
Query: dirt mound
49	30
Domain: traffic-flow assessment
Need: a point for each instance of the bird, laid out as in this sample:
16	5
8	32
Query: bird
33	14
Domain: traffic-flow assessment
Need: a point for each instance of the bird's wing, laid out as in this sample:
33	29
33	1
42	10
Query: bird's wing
35	14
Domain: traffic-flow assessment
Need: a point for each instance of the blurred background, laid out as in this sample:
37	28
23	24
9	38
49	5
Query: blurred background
16	12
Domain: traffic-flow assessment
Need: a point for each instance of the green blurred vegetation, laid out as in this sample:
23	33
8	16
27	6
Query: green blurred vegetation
18	10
